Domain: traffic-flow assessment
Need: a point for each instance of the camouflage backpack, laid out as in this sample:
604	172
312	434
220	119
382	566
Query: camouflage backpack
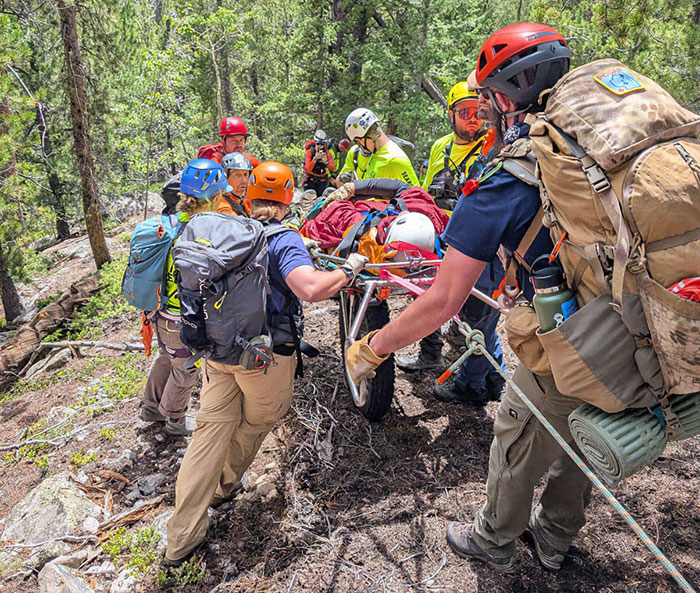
619	164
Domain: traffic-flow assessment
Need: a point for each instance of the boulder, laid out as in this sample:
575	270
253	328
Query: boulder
54	361
124	583
56	578
55	508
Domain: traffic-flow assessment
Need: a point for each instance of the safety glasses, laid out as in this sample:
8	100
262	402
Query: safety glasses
466	112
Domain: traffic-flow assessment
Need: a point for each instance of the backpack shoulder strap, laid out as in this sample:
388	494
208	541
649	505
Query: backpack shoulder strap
270	229
601	185
518	160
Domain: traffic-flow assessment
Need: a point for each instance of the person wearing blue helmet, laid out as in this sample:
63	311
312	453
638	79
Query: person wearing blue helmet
169	386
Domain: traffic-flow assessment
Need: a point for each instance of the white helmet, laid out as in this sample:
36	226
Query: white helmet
320	136
359	122
414	228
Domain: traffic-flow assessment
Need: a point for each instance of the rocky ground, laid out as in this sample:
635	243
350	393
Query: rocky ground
332	503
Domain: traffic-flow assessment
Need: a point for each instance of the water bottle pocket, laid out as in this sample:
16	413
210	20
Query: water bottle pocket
592	356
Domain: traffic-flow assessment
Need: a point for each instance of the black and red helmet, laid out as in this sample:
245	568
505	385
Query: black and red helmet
522	60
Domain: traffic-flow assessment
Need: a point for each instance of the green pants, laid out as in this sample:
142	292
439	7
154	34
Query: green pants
522	451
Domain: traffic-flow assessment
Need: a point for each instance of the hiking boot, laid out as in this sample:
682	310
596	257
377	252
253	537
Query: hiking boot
148	415
495	384
449	392
168	563
548	556
459	536
420	362
219	501
177	428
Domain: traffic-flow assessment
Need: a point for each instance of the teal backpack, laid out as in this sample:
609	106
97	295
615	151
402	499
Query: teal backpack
143	284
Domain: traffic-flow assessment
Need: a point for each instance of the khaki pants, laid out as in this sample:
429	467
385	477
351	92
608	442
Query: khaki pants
169	386
238	408
521	452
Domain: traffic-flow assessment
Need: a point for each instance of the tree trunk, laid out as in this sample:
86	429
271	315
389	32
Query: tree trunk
158	11
8	291
75	79
225	74
57	203
11	302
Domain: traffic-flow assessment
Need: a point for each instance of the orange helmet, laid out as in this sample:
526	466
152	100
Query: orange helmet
271	180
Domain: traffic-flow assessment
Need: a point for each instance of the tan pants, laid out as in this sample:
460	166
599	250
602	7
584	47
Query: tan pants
521	452
169	386
238	408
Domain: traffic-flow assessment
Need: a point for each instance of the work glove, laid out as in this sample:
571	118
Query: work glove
354	264
345	177
345	191
310	245
361	361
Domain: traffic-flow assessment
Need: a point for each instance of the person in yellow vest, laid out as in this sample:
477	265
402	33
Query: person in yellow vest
453	154
381	156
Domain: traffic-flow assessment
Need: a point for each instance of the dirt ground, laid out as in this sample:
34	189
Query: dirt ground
362	507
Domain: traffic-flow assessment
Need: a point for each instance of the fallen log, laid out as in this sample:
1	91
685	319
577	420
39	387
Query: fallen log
124	347
28	338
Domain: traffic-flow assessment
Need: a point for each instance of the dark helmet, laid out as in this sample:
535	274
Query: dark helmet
522	60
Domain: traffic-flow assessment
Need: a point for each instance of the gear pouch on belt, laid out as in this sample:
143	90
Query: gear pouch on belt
521	327
592	355
257	354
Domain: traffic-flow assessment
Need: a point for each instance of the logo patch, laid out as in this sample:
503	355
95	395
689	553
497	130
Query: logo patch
618	80
513	413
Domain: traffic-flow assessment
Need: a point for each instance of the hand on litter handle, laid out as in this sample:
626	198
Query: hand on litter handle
354	264
310	243
361	360
345	191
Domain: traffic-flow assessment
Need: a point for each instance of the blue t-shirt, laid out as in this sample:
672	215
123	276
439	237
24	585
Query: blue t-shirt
286	253
499	212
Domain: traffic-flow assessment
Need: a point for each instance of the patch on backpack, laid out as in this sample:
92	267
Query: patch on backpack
618	80
513	413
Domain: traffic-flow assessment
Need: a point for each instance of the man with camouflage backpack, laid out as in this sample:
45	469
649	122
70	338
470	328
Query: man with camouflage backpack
248	340
610	145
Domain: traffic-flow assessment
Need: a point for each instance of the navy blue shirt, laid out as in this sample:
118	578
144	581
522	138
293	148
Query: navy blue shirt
286	253
499	212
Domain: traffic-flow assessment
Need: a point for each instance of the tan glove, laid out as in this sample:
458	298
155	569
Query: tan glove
361	360
354	264
345	191
310	243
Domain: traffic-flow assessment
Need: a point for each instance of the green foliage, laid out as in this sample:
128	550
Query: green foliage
137	550
37	431
108	434
189	572
82	458
106	304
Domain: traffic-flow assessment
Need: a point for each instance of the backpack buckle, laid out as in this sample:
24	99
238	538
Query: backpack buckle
596	177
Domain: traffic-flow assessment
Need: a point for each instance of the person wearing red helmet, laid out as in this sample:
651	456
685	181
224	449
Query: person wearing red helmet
238	406
514	66
234	135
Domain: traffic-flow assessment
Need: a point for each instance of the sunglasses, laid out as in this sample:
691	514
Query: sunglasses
466	113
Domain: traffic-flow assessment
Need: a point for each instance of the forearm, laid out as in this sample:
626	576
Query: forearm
454	281
426	314
320	285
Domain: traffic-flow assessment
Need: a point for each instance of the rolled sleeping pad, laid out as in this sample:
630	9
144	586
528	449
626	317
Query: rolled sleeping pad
619	445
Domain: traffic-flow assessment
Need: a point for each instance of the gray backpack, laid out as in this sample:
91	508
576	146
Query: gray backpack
221	270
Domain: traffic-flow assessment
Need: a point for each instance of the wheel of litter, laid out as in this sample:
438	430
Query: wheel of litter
380	390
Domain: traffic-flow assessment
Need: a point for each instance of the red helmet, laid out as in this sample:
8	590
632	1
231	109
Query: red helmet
344	145
232	126
522	60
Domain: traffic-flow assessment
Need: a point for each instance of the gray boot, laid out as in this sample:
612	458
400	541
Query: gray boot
429	357
177	427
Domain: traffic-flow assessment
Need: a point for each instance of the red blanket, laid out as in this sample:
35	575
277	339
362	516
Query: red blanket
329	227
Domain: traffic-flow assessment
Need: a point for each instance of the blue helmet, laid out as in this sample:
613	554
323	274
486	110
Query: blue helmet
203	179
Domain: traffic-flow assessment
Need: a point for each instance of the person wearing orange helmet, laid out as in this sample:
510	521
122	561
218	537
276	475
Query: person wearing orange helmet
234	135
239	407
515	65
